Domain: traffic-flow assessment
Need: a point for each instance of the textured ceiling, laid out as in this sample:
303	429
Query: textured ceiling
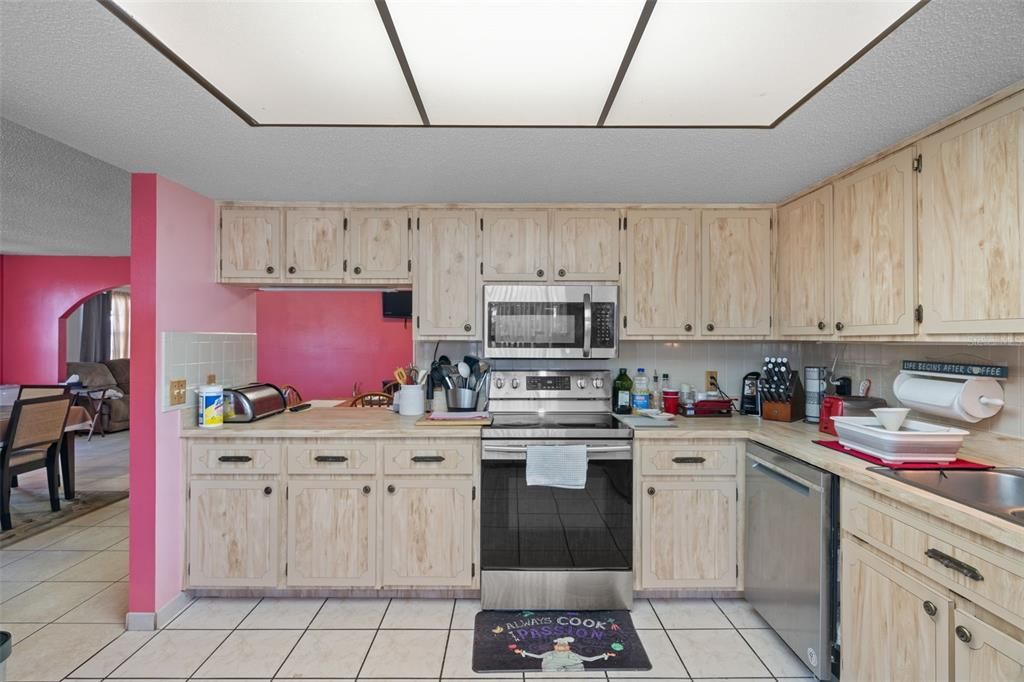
71	71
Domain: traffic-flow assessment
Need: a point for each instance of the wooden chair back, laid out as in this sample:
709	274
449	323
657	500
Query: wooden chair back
390	388
37	422
29	391
372	400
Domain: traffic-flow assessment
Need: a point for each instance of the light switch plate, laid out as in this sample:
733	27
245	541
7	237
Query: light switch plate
178	388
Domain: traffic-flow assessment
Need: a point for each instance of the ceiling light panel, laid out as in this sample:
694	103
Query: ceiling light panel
741	62
288	61
515	63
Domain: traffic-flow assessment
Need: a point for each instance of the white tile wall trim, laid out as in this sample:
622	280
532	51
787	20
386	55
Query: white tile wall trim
194	355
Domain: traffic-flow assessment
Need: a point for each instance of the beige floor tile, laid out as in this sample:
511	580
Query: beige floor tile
98	516
120	519
282	614
405	653
779	658
664	660
458	659
465	614
20	631
109	606
105	566
42	565
350	614
731	679
690	614
8	556
123	545
56	650
324	653
643	616
151	679
717	653
12	589
113	655
47	537
213	613
741	614
419	614
95	538
250	653
172	654
47	602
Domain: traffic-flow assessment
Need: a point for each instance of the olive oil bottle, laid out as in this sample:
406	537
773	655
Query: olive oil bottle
622	389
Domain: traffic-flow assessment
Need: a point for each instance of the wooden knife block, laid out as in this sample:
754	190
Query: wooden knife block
789	411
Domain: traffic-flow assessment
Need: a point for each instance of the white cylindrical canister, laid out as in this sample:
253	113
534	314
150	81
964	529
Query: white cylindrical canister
411	400
211	406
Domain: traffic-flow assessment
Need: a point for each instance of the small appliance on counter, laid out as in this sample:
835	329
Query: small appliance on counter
815	387
253	401
845	406
749	403
709	406
782	394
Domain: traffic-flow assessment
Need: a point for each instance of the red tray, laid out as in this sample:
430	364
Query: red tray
955	464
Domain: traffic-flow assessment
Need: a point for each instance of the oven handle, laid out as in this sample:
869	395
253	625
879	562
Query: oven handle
518	452
587	324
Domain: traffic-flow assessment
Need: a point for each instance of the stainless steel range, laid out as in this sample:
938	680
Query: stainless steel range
555	548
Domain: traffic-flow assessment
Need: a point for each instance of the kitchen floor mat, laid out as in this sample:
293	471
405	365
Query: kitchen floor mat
556	642
955	464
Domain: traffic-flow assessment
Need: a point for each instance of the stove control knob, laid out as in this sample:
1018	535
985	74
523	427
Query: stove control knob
598	383
515	383
582	383
498	382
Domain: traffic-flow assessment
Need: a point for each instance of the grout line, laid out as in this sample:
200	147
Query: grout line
225	638
373	639
740	633
299	639
134	651
665	630
447	640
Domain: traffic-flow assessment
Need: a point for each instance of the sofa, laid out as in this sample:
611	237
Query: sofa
109	374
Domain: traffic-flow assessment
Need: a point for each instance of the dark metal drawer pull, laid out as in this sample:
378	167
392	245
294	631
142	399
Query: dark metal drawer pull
954	563
688	460
428	458
234	458
330	458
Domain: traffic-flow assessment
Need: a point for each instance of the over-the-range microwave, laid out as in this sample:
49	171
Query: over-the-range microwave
550	321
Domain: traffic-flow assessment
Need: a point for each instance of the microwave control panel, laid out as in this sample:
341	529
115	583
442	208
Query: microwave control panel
603	335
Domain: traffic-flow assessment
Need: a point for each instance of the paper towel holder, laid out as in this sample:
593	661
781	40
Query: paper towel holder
953	396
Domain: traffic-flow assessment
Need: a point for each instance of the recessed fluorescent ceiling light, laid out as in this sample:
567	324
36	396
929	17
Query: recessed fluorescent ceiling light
514	62
742	63
286	61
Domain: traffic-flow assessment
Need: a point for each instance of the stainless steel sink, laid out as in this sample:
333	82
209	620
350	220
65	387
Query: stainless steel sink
996	491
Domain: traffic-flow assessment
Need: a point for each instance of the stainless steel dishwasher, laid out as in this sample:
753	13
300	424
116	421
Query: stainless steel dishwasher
791	544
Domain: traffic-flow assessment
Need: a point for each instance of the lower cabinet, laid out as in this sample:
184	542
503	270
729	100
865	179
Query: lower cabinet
984	654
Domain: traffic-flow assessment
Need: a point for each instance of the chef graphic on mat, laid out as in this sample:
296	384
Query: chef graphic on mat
561	658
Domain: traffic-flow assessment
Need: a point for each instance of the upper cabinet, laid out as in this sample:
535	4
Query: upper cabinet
250	245
585	245
377	245
972	223
735	272
446	298
873	268
660	274
803	265
515	245
314	244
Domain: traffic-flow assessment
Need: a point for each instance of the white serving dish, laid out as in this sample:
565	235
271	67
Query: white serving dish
916	441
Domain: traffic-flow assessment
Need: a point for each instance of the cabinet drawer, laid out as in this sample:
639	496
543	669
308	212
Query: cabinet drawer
429	457
994	579
235	458
343	457
695	458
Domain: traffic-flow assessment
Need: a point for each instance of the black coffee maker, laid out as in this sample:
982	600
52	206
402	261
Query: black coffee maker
749	398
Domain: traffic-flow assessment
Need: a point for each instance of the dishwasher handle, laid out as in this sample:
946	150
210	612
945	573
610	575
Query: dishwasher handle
786	478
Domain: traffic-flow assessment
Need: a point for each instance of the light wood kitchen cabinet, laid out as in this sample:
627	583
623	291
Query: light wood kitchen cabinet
660	274
972	223
688	534
233	533
332	532
377	245
736	272
874	256
314	245
515	245
250	245
803	266
981	653
585	245
894	628
446	298
428	532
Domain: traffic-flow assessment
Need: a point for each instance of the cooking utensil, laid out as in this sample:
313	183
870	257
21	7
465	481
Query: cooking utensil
401	376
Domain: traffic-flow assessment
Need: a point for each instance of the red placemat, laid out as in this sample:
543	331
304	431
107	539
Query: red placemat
955	464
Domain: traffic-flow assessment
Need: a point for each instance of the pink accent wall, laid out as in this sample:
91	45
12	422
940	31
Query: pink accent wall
174	260
36	296
322	342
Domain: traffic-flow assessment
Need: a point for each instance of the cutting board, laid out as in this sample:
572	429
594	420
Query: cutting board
426	421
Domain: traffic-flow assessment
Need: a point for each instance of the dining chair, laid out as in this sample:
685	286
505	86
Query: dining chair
28	391
32	442
372	400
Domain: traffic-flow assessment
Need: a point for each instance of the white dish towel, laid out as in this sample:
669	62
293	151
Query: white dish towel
557	466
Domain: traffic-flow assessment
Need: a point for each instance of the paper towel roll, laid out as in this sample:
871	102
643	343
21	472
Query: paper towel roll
949	398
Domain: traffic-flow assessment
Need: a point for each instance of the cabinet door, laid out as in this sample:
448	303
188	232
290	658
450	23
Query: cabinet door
585	245
447	290
377	244
889	634
689	534
250	244
233	533
873	248
660	273
988	655
803	266
736	272
972	223
314	241
515	246
332	532
428	532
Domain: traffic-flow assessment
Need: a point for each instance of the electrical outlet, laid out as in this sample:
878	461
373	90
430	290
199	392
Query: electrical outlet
178	388
711	380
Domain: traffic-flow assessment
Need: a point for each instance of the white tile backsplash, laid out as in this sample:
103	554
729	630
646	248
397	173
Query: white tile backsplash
195	355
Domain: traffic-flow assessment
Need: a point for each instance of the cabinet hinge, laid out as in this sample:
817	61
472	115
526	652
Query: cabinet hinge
625	223
737	571
481	267
417	321
620	267
410	223
481	224
473	497
625	321
188	493
918	164
737	494
410	265
344	265
286	569
417	224
919	313
188	569
286	492
344	224
472	570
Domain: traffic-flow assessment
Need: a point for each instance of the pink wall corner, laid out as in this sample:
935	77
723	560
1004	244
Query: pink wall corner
37	294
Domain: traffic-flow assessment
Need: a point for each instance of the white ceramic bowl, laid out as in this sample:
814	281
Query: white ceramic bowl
891	418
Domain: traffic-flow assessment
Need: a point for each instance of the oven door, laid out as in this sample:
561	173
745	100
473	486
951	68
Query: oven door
537	321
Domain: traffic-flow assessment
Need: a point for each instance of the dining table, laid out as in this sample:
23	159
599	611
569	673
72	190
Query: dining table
78	420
